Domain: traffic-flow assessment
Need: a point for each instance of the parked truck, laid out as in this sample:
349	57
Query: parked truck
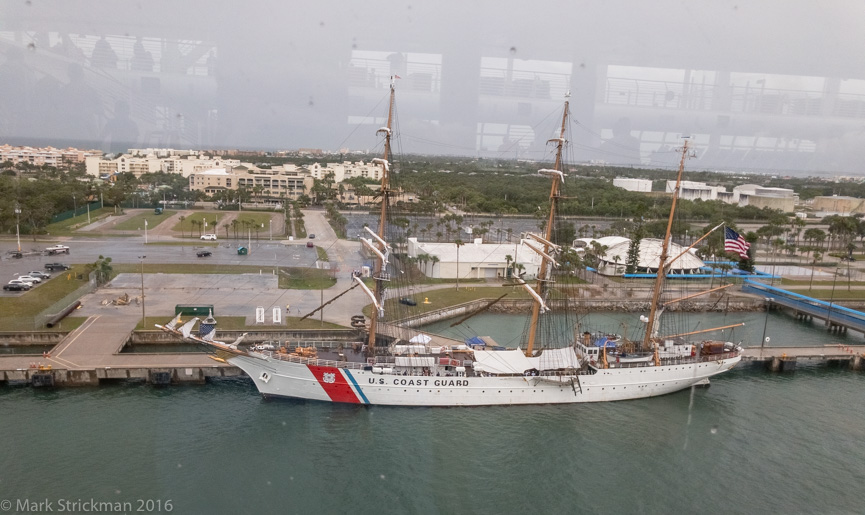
57	249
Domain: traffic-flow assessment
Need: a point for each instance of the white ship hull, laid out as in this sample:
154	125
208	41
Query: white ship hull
278	378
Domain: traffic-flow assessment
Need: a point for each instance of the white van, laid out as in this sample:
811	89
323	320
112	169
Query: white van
211	237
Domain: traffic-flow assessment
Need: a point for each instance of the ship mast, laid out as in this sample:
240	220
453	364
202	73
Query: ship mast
655	312
379	268
557	179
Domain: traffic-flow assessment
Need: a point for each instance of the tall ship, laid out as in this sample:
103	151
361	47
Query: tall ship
558	362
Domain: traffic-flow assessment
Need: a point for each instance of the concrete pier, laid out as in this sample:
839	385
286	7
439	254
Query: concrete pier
784	359
91	354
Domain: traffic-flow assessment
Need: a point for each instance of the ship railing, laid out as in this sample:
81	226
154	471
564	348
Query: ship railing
681	360
293	358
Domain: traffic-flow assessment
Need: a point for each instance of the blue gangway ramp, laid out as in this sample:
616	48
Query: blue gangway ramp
833	313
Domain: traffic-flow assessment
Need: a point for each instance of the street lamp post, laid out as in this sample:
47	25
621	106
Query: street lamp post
143	312
831	300
18	223
765	340
270	226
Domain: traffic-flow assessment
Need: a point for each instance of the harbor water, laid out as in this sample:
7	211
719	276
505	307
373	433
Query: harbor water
753	442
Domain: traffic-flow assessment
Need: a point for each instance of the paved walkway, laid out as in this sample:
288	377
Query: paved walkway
95	345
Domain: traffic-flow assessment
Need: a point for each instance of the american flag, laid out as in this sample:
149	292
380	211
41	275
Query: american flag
734	242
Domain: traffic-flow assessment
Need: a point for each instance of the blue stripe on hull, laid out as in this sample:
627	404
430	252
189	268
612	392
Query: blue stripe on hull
356	386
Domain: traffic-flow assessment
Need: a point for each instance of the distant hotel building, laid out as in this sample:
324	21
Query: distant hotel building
45	156
288	182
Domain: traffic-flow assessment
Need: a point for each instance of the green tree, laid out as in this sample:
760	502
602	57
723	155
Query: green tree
103	269
633	258
459	243
746	264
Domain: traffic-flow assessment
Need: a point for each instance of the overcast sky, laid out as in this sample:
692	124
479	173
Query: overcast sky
478	78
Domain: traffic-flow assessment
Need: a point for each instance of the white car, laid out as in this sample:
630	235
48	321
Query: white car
21	281
208	237
30	278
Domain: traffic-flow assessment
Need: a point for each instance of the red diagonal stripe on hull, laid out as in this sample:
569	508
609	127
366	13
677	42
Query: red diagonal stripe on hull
339	390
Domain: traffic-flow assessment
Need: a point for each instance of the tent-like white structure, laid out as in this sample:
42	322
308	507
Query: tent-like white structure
615	260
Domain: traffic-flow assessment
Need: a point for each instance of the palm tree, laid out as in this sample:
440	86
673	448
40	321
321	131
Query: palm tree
423	259
508	259
817	257
433	259
182	233
519	269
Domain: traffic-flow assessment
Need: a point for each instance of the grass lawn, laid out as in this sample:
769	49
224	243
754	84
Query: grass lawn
299	229
258	223
239	324
840	293
289	277
136	222
305	278
449	297
840	281
16	313
322	254
200	243
194	231
199	267
66	227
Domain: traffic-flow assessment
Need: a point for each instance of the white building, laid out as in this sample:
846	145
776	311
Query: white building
760	196
274	182
690	190
581	244
49	156
189	165
641	185
139	163
346	170
614	261
476	260
97	167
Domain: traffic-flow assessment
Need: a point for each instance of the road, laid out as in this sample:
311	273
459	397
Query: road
235	295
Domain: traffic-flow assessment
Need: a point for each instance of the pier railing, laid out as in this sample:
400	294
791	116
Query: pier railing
833	313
